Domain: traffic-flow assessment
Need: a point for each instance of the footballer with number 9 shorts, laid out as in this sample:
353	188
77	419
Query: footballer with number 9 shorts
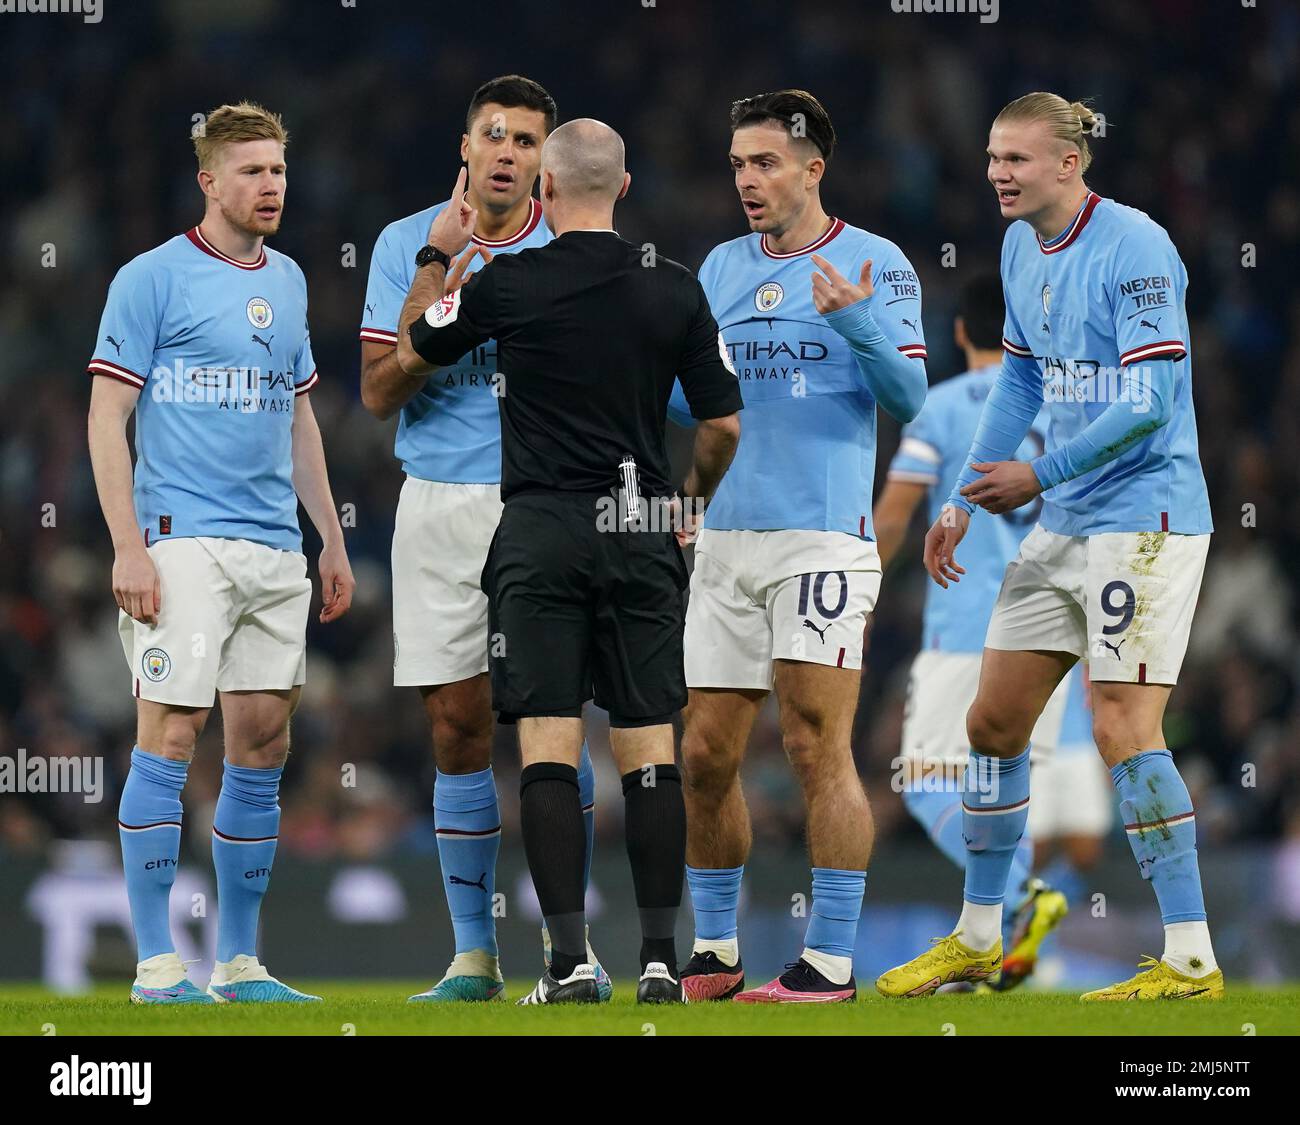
205	340
822	322
1096	325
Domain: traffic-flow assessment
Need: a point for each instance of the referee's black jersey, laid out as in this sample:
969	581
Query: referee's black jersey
591	331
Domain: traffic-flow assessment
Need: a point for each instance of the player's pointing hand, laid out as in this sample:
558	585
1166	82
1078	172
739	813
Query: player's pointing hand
835	291
453	226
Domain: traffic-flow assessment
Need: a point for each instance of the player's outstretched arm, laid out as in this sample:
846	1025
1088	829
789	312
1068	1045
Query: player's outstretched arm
136	587
941	546
311	482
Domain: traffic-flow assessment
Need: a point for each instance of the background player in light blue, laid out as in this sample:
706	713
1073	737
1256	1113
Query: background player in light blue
449	443
822	323
1096	325
945	673
205	339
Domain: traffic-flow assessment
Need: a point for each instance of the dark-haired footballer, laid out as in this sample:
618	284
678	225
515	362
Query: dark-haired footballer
449	443
822	321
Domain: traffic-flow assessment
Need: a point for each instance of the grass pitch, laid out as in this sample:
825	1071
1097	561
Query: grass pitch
380	1008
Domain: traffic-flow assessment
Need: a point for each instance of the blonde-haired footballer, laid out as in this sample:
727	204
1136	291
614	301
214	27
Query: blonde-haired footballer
205	340
1096	324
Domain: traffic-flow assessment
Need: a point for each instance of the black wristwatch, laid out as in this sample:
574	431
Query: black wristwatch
427	255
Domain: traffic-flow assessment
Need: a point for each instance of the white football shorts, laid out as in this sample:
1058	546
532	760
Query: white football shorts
440	613
233	618
1123	601
759	596
940	689
1070	794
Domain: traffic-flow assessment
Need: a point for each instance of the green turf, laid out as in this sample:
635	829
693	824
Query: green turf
371	1008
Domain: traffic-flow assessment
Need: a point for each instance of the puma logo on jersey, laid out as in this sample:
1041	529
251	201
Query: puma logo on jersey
370	310
909	324
1114	648
117	344
820	632
265	343
1147	324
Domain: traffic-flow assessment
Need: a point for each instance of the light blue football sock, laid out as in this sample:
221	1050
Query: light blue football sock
468	824
715	896
1161	829
245	830
995	811
149	827
940	814
587	795
836	907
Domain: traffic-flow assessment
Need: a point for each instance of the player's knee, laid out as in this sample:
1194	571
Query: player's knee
993	733
709	765
264	747
812	756
462	741
174	738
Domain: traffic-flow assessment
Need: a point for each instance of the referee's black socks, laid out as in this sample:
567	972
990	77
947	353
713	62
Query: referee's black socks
555	842
655	823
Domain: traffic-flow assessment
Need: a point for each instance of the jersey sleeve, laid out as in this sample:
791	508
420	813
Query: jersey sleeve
1147	280
704	372
129	326
386	290
304	365
896	304
460	321
920	448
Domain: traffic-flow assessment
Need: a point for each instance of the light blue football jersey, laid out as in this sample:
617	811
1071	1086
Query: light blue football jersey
450	431
1076	722
1108	292
932	452
219	349
807	453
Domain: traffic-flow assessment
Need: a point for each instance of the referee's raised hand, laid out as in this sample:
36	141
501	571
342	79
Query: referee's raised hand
453	226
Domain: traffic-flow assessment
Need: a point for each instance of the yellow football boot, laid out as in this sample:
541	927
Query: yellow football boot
945	962
1156	980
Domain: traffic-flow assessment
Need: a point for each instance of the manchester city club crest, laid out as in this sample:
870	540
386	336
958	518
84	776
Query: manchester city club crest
260	313
768	296
156	664
1047	300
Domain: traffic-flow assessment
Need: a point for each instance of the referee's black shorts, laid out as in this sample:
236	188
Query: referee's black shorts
578	611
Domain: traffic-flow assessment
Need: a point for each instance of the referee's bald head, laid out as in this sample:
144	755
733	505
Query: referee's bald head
585	157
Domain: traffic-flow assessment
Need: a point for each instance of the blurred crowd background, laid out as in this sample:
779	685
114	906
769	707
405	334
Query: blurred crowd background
1203	133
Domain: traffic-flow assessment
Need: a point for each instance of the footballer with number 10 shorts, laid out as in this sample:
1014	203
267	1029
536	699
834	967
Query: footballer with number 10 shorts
822	322
1096	325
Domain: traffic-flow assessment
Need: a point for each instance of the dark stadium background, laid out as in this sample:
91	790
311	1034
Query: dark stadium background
1203	133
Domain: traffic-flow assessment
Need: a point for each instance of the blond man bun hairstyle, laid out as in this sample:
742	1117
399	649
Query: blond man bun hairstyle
229	124
1070	122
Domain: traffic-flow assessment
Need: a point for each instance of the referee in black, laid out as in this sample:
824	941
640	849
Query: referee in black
585	578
